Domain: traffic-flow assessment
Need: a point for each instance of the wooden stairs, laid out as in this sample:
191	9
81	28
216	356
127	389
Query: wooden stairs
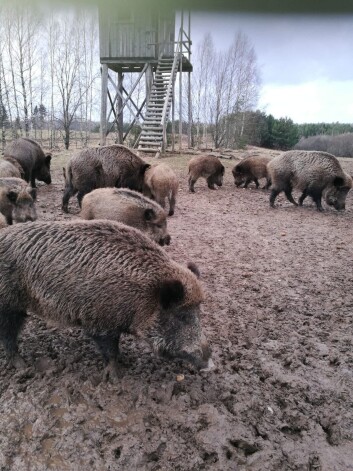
153	134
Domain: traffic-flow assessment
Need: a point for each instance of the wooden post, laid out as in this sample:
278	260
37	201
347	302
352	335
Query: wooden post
104	91
189	87
149	82
120	112
189	111
181	81
173	119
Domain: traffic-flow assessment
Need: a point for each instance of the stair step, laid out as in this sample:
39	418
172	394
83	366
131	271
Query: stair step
146	149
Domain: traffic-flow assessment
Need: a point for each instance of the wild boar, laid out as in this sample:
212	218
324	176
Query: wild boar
128	207
161	183
250	169
3	222
10	168
17	200
316	174
29	154
104	277
101	167
207	167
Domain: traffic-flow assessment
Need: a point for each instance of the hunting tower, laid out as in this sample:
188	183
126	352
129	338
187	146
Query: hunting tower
140	41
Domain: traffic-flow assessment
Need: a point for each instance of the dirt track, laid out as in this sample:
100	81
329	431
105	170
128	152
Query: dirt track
279	317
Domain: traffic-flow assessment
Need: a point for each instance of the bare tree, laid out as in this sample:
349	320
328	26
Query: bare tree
225	87
21	27
68	73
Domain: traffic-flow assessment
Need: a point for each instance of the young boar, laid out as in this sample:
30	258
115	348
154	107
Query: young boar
10	168
17	200
128	207
101	167
161	183
104	277
314	173
30	156
250	169
207	167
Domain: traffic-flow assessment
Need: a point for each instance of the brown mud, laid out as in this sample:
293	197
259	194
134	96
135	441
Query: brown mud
279	317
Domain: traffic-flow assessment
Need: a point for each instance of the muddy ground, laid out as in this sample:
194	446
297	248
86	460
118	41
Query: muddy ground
279	316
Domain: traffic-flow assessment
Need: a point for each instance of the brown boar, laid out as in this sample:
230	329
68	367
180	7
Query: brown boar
30	156
207	167
252	168
3	222
10	168
17	200
128	207
104	277
100	167
161	183
316	174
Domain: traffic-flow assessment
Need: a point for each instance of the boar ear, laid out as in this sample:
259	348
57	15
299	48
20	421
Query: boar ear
194	268
143	168
48	159
338	181
171	292
12	196
149	214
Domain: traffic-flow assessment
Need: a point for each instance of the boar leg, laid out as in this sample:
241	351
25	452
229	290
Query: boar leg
302	197
273	196
256	183
9	220
191	184
80	196
316	196
247	181
171	199
68	192
109	348
210	183
33	181
268	184
288	193
11	322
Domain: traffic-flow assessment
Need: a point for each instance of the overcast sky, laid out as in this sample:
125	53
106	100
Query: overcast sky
306	62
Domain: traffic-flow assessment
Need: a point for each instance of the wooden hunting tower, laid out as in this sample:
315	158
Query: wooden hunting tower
140	41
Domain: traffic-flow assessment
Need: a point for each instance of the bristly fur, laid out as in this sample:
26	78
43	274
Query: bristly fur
101	167
161	183
102	276
128	207
31	158
207	167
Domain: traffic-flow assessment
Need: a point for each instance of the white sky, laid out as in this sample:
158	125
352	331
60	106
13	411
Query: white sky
306	62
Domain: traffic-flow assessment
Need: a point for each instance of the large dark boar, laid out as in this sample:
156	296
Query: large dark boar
316	174
17	200
207	167
29	154
128	207
250	169
104	277
101	167
161	183
11	168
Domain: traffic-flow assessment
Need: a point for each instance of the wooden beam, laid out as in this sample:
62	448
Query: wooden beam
104	89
